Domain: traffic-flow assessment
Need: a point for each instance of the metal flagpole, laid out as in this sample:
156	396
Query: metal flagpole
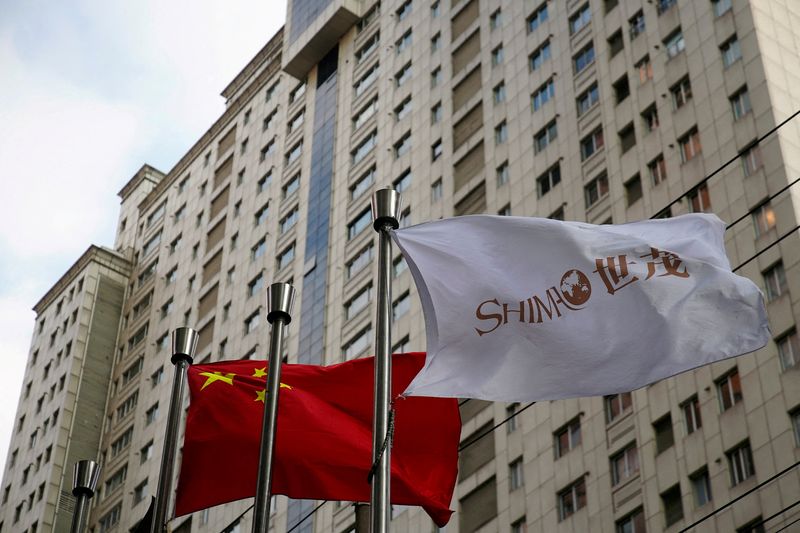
280	299
184	345
84	480
385	209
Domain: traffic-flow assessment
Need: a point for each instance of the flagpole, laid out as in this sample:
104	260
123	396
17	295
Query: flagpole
84	481
280	299
184	345
385	209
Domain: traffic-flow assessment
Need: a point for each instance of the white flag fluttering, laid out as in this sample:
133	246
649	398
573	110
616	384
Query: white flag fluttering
522	309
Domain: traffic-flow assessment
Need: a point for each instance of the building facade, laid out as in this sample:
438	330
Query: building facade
599	111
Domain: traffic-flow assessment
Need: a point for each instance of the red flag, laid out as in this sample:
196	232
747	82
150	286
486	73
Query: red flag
323	446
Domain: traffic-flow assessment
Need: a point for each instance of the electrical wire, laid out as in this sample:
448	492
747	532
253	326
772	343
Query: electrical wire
787	234
787	526
767	519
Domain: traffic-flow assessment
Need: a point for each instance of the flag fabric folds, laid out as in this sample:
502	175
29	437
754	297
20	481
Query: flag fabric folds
523	309
323	444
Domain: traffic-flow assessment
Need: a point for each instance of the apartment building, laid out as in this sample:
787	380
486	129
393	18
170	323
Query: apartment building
602	111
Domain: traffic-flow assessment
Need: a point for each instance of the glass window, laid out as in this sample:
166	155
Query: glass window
740	103
401	306
548	180
502	174
690	145
699	201
636	25
516	474
751	160
538	17
285	258
543	94
701	487
674	44
673	507
591	144
501	133
775	281
633	523
539	56
367	48
567	438
437	190
789	350
731	51
616	405
587	99
545	136
624	465
403	146
361	260
691	414
571	499
358	225
580	19
583	58
740	463
363	184
357	302
729	389
665	437
366	80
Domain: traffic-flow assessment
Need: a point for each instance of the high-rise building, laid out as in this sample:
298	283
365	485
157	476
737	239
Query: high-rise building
600	111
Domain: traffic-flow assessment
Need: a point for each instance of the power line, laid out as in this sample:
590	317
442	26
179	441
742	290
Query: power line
751	211
466	445
720	509
787	526
787	234
767	519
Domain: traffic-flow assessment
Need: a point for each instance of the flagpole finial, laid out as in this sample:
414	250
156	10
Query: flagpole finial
385	208
280	300
184	344
85	474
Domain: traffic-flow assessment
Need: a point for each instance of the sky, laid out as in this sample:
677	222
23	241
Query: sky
90	91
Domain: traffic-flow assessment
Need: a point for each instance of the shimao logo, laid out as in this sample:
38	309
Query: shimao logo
575	289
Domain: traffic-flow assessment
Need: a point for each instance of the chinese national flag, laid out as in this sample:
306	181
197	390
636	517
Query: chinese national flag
323	448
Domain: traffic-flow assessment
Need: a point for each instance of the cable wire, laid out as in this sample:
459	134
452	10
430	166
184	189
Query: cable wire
469	443
787	234
787	526
751	211
767	519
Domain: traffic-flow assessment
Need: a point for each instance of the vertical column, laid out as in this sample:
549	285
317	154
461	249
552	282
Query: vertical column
84	481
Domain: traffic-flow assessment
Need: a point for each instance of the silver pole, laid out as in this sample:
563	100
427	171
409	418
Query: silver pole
184	345
280	299
385	209
84	480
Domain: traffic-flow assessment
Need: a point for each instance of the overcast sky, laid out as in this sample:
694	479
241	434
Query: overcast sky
89	91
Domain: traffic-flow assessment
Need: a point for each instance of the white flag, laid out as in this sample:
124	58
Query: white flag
521	309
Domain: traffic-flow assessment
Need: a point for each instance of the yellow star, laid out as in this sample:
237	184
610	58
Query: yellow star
261	394
216	376
260	372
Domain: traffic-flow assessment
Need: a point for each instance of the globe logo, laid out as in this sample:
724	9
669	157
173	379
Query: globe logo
575	287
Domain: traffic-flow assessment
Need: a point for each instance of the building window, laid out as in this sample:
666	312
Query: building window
699	201
591	144
608	5
403	182
720	7
366	80
358	344
664	5
701	487
538	17
624	465
755	525
795	415
502	174
622	89
498	93
789	350
505	211
545	136
151	415
775	281
361	260
403	75
403	11
627	138
297	92
403	146
543	94
264	182
436	113
496	19
583	59
567	438
367	48
251	322
731	51
587	99
580	19
437	191
616	405
681	93
436	9
258	249
690	145
436	150
665	438
740	463
436	42
402	110
673	507
497	55
751	160
363	184
650	119
289	220
636	25
691	414
358	225
255	285
571	499
658	170
595	190
539	56
615	43
436	77
501	133
267	123
110	520
633	190
285	258
516	475
740	103
729	389
399	266
633	523
403	43
297	121
358	302
401	306
364	147
139	492
519	526
674	44
294	154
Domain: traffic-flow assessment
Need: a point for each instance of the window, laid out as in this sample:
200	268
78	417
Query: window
674	44
587	99
691	414
701	487
403	43
286	257
436	113
622	89
289	220
152	244
358	344
368	17
157	377
502	174
366	80
755	525
645	68
720	7
497	55
789	350
297	92
251	322
399	266
122	442
265	125
436	9
583	58
401	306
139	492
591	144
501	133
624	465
795	415
151	415
580	19
567	438
357	303
255	285
403	11
665	438
608	5
499	93
729	389
636	25
291	186
297	121
437	191
537	17
267	150
436	42
403	75
362	259
505	211
664	5
657	169
403	146
516	475
403	182
496	19
436	150
152	218
627	138
367	49
633	190
545	136
740	463
258	249
731	51
616	405
775	281
571	499
740	103
133	370
243	146
110	520
539	56
264	182
436	76
681	93
543	94
673	507
115	480
294	154
650	118
402	110
359	224
615	43
690	145
363	184
751	160
519	526
698	199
